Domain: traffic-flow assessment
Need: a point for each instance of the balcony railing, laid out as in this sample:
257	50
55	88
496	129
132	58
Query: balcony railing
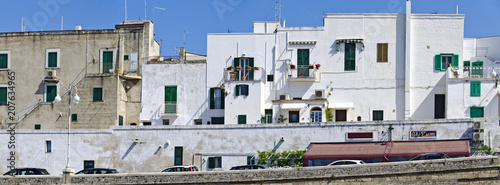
171	107
303	73
244	75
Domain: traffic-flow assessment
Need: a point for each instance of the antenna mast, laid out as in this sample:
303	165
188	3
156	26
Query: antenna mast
145	10
125	9
277	11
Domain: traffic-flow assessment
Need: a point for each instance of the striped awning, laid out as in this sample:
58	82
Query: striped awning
338	41
302	43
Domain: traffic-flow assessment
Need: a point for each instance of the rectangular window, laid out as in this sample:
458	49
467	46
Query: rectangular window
217	120
242	119
88	164
146	123
270	78
50	93
214	162
38	126
443	61
166	122
216	98
250	160
477	69
466	66
303	63
178	155
269	115
170	99
350	57
3	95
52	58
476	112
125	57
97	94
378	115
4	60
293	116
244	74
475	89
48	146
198	121
242	90
382	52
107	61
120	120
74	117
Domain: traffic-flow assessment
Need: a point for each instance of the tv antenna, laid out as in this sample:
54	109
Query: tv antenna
154	11
145	10
184	39
125	9
277	10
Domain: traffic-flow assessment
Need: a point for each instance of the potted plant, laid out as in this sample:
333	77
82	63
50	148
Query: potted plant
256	68
248	68
301	74
230	68
238	68
311	67
317	66
292	66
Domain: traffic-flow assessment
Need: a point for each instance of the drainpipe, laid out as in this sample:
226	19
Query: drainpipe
407	59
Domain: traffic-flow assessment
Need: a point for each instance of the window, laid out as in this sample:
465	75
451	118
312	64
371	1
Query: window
270	78
146	123
120	120
242	119
250	160
48	146
477	69
52	58
242	90
269	115
3	96
74	117
360	135
107	60
316	115
215	162
166	122
216	98
466	66
97	94
378	115
445	60
88	164
475	88
198	121
476	112
350	57
4	60
125	57
243	74
50	92
293	116
178	155
382	52
170	99
217	120
38	126
303	63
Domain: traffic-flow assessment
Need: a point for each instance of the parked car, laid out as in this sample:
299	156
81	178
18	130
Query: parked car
97	171
27	171
248	167
189	168
346	162
430	156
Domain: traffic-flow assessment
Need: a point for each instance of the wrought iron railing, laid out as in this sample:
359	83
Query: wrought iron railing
171	107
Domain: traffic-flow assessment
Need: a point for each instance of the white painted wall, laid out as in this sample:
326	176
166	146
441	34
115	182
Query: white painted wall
460	100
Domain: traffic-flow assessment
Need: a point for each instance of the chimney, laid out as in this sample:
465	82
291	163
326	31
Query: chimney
182	55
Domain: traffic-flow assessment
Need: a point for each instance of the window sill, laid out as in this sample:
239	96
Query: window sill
169	114
52	67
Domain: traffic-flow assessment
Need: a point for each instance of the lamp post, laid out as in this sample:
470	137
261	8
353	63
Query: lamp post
76	99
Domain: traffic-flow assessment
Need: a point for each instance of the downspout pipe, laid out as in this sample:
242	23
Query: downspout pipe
407	60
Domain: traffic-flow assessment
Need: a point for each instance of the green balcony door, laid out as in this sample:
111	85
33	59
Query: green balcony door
170	99
107	61
303	63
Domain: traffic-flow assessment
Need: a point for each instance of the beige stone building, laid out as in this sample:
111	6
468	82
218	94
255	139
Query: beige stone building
103	67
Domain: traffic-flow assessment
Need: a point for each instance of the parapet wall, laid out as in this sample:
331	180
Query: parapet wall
469	170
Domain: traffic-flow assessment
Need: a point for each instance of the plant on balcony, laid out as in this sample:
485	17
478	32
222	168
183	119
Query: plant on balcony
317	66
255	68
230	68
311	67
248	68
238	68
301	74
292	66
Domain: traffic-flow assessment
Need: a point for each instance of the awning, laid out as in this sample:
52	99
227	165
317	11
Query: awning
341	105
375	150
338	41
293	105
302	42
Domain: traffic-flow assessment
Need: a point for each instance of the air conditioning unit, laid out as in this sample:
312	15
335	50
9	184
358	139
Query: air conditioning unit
284	97
478	125
320	94
478	136
51	73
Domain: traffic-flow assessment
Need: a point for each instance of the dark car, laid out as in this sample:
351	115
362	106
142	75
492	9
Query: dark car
430	156
189	168
97	171
247	167
27	171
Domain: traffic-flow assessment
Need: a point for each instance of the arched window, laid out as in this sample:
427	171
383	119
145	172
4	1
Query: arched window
316	114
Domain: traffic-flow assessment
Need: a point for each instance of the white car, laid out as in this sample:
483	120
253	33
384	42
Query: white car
346	162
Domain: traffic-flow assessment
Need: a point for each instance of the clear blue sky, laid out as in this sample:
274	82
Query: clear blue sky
199	17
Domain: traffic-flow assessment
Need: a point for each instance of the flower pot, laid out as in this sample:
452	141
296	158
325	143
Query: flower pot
311	67
256	68
248	69
292	67
317	67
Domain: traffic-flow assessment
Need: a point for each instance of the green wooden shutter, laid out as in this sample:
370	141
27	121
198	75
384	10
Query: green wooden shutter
237	90
350	57
477	68
120	120
466	65
476	112
74	117
211	162
438	62
97	95
475	88
51	93
52	59
222	97
178	155
250	74
170	94
236	63
3	61
107	61
3	95
455	61
212	98
242	119
247	90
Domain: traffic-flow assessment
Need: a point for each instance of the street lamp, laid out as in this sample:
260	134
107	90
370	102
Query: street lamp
76	99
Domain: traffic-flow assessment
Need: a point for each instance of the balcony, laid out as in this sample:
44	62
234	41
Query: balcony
303	74
170	108
255	74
